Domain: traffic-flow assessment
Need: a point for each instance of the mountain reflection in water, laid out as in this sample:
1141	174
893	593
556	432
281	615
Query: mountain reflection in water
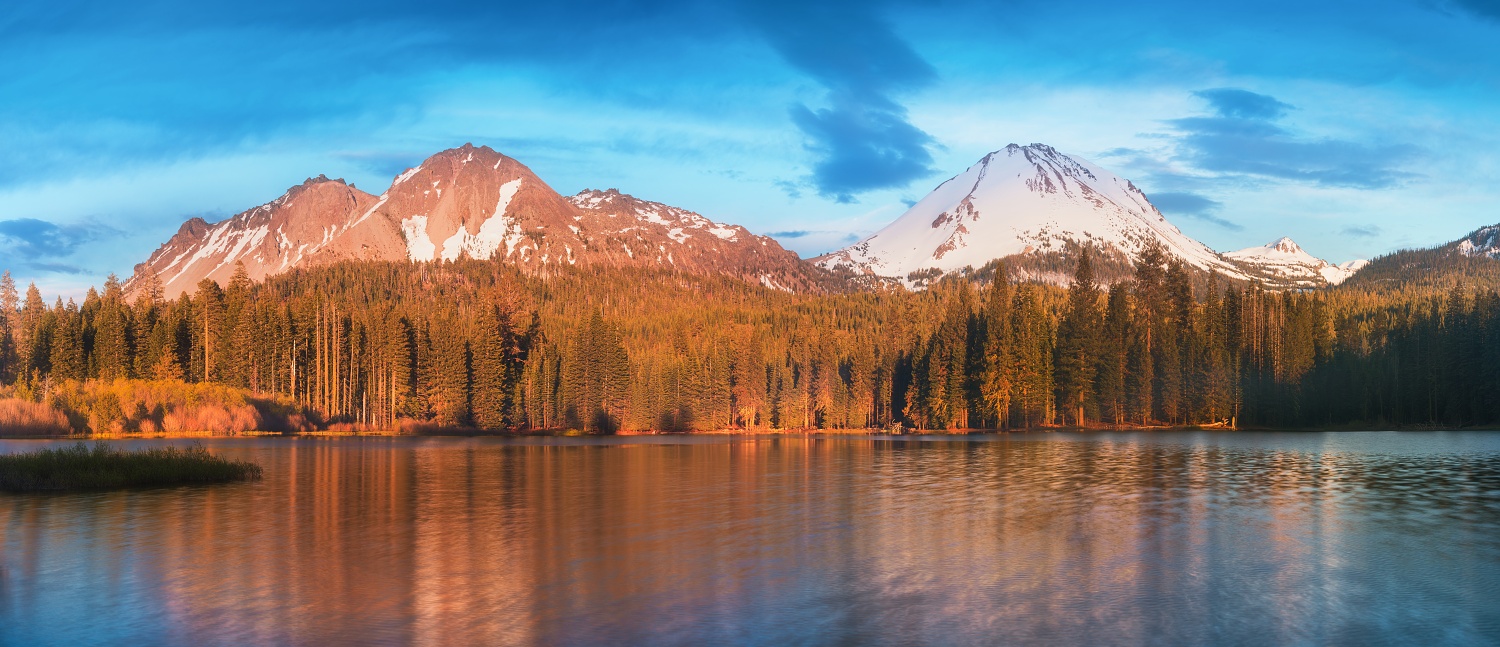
1166	538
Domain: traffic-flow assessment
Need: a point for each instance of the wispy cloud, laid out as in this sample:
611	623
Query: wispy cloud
1243	140
1243	104
42	246
1362	231
1192	205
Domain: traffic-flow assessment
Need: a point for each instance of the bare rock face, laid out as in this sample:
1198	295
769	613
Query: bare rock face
467	202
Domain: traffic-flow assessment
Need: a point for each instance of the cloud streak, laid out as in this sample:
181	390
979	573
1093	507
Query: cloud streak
41	245
1243	104
1243	140
1192	205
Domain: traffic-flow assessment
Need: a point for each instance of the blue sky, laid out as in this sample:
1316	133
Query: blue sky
1355	127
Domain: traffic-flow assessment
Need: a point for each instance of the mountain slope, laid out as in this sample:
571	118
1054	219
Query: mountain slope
469	202
1021	200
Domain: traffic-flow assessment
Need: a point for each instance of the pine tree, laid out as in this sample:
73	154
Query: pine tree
207	332
492	369
112	348
66	356
34	353
147	311
998	350
10	358
234	354
1114	344
1031	366
1077	341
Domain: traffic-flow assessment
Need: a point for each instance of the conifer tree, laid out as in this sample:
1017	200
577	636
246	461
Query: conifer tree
147	310
66	357
1114	345
112	348
492	369
10	358
207	332
1032	360
34	353
999	362
1077	341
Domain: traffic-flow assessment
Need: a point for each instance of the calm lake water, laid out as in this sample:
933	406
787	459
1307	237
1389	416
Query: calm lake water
1151	538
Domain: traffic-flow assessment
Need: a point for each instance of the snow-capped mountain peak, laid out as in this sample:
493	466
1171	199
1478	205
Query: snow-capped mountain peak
1021	200
1284	261
1287	246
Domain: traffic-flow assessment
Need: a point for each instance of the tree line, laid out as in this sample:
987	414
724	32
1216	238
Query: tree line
479	344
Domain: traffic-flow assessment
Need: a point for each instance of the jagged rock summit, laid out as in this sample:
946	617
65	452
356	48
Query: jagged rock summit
1020	200
466	202
1284	261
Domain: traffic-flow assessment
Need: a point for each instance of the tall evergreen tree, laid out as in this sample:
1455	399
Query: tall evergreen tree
1077	341
1114	344
999	362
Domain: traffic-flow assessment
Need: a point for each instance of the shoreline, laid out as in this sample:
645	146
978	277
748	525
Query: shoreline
552	433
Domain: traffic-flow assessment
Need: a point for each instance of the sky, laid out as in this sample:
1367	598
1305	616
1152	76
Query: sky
1356	128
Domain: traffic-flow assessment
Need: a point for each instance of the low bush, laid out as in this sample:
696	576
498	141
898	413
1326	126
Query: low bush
23	418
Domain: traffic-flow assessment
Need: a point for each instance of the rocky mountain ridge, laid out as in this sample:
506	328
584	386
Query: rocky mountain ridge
468	202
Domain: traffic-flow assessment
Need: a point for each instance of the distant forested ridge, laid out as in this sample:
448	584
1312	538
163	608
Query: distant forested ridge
480	344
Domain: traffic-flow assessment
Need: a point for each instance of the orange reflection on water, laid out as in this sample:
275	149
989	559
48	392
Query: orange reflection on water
767	540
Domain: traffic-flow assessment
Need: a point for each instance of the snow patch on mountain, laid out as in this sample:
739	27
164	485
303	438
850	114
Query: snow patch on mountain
1485	241
419	246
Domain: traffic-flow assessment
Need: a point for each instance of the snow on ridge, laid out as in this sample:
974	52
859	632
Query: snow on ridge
379	203
407	175
675	220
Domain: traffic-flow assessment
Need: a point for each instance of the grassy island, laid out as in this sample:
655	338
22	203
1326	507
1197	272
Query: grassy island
81	467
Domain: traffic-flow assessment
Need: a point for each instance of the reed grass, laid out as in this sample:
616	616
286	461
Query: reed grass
82	467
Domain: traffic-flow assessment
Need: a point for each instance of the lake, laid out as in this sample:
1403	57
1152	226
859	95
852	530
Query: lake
1186	538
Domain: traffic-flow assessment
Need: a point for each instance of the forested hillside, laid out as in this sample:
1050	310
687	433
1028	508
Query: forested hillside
481	344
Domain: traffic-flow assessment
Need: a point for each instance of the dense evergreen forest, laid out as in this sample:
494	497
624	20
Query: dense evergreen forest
479	344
